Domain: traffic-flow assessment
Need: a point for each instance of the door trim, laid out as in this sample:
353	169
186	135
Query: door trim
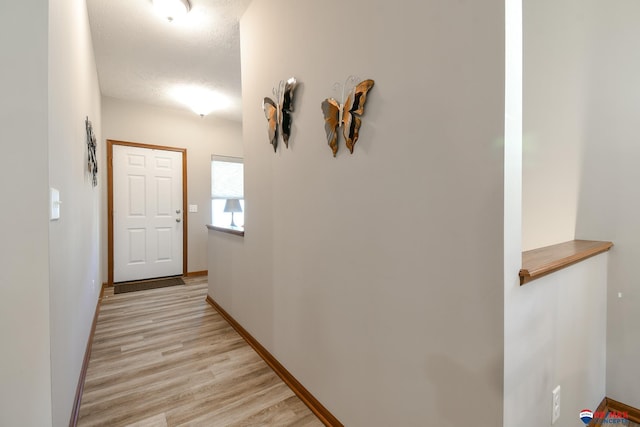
110	144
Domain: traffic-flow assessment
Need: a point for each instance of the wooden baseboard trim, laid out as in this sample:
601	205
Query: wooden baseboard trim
75	412
602	409
327	418
197	273
610	405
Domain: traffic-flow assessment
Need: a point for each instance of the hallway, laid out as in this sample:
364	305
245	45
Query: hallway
165	357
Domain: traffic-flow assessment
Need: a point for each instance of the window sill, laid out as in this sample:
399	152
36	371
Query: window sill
238	231
540	262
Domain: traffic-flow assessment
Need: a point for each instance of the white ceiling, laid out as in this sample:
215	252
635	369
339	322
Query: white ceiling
141	56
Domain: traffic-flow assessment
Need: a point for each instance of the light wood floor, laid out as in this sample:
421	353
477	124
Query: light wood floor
165	357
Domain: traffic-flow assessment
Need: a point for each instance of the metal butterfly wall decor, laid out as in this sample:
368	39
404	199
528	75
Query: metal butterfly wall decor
346	114
92	159
278	112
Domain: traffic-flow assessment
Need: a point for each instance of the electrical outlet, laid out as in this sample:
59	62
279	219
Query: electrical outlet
555	406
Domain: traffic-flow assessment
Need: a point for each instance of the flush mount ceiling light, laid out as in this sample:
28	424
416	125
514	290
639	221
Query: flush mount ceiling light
202	101
172	9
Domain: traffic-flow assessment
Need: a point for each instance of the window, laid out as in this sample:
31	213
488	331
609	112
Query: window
227	192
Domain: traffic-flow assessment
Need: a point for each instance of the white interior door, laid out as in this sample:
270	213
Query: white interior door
147	213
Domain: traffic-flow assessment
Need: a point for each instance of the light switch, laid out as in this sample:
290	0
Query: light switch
193	208
54	200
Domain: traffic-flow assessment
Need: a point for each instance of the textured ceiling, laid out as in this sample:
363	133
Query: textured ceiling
141	56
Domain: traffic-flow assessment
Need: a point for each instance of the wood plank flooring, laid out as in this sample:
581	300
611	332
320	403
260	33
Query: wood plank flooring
164	357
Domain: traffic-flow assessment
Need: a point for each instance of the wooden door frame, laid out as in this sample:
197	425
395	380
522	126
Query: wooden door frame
110	144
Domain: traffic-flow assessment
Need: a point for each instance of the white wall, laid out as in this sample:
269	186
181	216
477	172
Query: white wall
387	315
557	56
51	277
226	261
555	327
609	206
512	187
202	137
555	334
25	372
580	109
74	239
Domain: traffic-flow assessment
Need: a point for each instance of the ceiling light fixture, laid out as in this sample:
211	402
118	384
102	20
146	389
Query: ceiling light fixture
201	101
172	9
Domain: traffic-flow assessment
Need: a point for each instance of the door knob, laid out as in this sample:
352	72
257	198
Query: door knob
177	211
177	219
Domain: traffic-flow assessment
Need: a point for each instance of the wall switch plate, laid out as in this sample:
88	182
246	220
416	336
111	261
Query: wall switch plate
193	208
54	201
555	406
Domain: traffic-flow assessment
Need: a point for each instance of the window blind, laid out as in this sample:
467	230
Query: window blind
227	178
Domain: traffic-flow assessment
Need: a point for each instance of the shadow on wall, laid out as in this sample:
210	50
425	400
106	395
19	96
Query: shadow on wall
453	384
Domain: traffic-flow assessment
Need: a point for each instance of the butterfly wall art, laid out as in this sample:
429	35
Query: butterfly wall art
278	112
346	114
92	159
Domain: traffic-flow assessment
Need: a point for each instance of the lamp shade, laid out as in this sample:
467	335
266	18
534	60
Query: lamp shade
233	206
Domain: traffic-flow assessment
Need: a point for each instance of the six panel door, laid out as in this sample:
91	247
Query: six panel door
147	213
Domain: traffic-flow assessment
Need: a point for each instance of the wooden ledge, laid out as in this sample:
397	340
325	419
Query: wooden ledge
235	231
540	262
